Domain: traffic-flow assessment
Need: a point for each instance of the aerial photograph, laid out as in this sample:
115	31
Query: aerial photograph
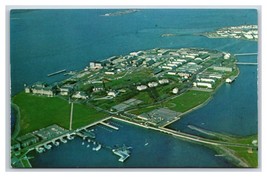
134	88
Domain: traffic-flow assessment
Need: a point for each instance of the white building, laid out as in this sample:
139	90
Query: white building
141	87
164	81
175	90
152	84
80	95
226	56
171	73
109	72
112	93
206	80
95	65
202	84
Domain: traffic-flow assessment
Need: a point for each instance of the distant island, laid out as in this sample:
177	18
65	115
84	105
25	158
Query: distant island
120	12
246	32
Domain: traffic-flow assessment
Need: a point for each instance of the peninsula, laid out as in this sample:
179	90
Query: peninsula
246	32
150	88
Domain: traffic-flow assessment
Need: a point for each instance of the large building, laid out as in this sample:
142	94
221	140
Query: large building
40	88
95	65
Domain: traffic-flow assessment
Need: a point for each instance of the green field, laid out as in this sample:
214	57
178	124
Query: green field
38	112
188	100
252	157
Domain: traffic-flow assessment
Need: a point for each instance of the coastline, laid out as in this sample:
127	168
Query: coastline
16	131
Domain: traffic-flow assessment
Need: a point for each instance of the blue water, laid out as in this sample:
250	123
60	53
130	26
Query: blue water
161	151
44	41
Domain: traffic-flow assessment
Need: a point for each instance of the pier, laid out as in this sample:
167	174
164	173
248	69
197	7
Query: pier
110	126
246	63
57	72
245	54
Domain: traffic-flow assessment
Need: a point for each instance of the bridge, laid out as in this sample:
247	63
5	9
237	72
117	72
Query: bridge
245	54
187	136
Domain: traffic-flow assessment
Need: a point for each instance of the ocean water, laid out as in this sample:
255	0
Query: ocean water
44	41
150	149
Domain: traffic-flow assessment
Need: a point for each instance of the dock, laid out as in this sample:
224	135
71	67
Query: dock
110	126
57	72
123	152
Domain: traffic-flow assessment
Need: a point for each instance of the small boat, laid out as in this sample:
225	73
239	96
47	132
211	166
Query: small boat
146	144
82	143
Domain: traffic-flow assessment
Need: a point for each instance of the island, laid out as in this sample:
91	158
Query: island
246	32
148	88
120	12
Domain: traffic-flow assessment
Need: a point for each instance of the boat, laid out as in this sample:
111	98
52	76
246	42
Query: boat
97	148
56	143
47	146
69	137
40	149
146	144
63	140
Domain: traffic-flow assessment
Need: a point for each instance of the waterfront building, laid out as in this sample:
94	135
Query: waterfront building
43	90
95	65
27	90
27	140
202	84
222	68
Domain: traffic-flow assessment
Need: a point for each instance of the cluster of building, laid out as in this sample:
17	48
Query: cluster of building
41	88
29	139
152	84
249	32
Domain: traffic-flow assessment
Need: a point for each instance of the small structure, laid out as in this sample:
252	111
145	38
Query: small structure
141	87
112	93
65	90
110	72
152	84
230	79
164	81
80	95
226	56
175	90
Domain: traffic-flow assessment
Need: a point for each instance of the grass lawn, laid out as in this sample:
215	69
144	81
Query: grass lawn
38	111
188	100
252	157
